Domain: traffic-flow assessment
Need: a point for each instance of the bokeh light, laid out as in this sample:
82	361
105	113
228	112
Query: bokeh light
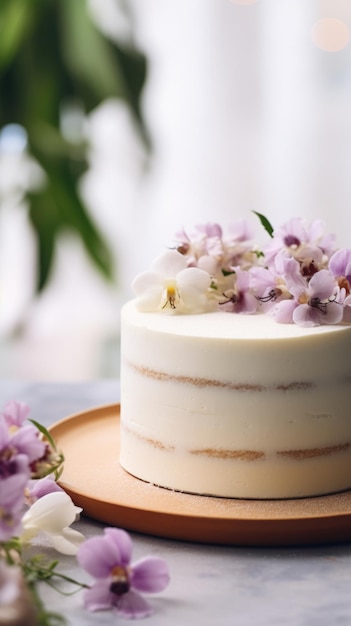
330	34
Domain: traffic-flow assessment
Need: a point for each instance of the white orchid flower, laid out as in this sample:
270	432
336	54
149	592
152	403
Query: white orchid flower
53	514
171	285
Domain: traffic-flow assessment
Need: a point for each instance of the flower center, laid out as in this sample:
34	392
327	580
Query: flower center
120	580
291	240
344	284
171	296
271	296
6	518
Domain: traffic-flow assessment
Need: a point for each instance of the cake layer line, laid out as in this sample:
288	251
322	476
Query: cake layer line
248	455
209	382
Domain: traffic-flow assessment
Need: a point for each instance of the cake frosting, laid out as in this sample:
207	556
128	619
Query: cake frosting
237	405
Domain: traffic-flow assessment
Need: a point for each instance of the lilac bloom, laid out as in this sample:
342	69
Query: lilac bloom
316	299
26	441
206	240
238	248
239	299
11	504
12	461
316	234
118	582
283	311
305	242
39	488
268	286
288	236
15	413
340	267
241	231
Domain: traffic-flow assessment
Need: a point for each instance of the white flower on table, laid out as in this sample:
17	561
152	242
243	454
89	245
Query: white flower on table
172	286
53	514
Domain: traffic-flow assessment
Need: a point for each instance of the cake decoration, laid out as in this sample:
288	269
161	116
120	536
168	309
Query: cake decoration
299	276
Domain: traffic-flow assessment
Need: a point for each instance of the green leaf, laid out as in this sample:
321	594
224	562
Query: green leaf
44	432
51	53
46	224
15	21
265	223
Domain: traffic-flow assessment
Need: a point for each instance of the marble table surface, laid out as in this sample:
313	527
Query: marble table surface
210	585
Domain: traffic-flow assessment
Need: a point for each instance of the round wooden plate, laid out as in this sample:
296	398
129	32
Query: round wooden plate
94	479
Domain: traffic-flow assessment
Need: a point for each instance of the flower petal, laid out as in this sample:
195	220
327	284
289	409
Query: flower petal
98	556
193	278
150	575
322	285
283	311
99	596
306	315
133	605
15	412
122	540
169	263
193	284
67	542
147	281
340	263
51	513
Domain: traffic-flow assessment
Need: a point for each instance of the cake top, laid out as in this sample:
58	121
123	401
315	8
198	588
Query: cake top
299	276
221	325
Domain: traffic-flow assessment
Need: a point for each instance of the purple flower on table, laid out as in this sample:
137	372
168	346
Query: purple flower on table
39	488
12	461
15	413
11	504
239	299
26	441
117	581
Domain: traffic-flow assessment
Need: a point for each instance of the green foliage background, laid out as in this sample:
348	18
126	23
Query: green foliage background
51	54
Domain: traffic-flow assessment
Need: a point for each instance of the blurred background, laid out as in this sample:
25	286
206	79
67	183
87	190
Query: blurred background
123	121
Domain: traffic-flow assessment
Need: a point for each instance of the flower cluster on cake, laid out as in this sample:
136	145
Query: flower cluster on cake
299	276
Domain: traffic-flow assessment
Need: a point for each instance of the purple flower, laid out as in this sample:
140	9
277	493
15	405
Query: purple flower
305	242
283	311
239	299
12	461
11	504
38	488
340	267
26	441
268	286
15	413
316	299
117	583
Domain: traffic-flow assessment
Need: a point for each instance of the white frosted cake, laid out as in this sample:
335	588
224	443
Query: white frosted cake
223	403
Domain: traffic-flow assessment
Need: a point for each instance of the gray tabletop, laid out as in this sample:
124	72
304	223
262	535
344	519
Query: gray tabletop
210	585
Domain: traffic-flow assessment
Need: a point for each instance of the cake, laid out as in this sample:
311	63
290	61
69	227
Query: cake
236	369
